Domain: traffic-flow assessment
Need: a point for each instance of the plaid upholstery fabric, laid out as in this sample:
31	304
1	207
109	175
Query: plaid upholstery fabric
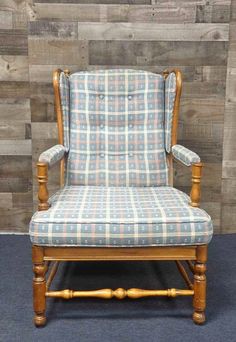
52	155
120	216
117	129
170	92
184	155
65	104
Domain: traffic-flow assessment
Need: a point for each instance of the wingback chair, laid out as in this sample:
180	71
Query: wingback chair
117	141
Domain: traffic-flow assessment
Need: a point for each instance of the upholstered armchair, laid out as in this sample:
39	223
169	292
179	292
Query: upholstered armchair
117	142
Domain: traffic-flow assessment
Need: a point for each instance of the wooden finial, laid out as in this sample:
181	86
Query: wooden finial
67	72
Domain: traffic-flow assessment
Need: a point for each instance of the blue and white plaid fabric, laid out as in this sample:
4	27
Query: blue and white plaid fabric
117	129
120	217
184	155
170	93
65	104
52	155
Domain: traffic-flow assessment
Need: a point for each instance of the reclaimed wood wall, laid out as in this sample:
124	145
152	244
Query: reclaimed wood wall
38	36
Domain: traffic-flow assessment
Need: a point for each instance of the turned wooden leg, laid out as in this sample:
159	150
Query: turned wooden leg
39	286
199	299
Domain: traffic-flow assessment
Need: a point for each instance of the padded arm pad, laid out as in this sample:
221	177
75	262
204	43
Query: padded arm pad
184	155
52	155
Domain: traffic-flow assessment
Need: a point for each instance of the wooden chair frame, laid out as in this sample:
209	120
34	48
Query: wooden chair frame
194	256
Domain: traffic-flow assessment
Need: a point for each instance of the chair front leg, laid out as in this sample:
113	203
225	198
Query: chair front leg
199	299
39	286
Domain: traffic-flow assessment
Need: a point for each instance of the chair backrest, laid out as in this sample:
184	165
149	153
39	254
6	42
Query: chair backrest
117	126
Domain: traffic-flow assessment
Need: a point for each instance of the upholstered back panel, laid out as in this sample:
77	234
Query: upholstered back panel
117	129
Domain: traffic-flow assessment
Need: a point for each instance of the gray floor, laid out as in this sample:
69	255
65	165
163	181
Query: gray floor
157	319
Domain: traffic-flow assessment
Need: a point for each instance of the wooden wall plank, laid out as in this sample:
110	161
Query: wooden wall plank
43	73
53	29
16	220
188	2
213	14
202	110
42	109
228	218
145	2
14	68
13	42
14	89
5	200
58	52
44	130
115	13
14	166
153	31
157	53
8	130
5	20
204	89
15	147
170	3
15	184
22	200
15	109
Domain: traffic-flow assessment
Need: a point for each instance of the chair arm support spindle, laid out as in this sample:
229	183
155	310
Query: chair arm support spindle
195	194
42	174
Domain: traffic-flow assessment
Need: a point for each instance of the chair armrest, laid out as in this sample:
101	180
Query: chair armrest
190	158
184	155
47	159
52	155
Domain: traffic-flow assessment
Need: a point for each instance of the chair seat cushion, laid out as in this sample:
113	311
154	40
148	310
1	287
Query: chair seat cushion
97	216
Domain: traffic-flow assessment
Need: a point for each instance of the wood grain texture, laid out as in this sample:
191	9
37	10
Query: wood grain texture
228	218
197	36
157	53
14	68
14	89
13	42
58	52
6	200
15	147
152	31
15	109
53	29
229	152
147	2
115	13
5	20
